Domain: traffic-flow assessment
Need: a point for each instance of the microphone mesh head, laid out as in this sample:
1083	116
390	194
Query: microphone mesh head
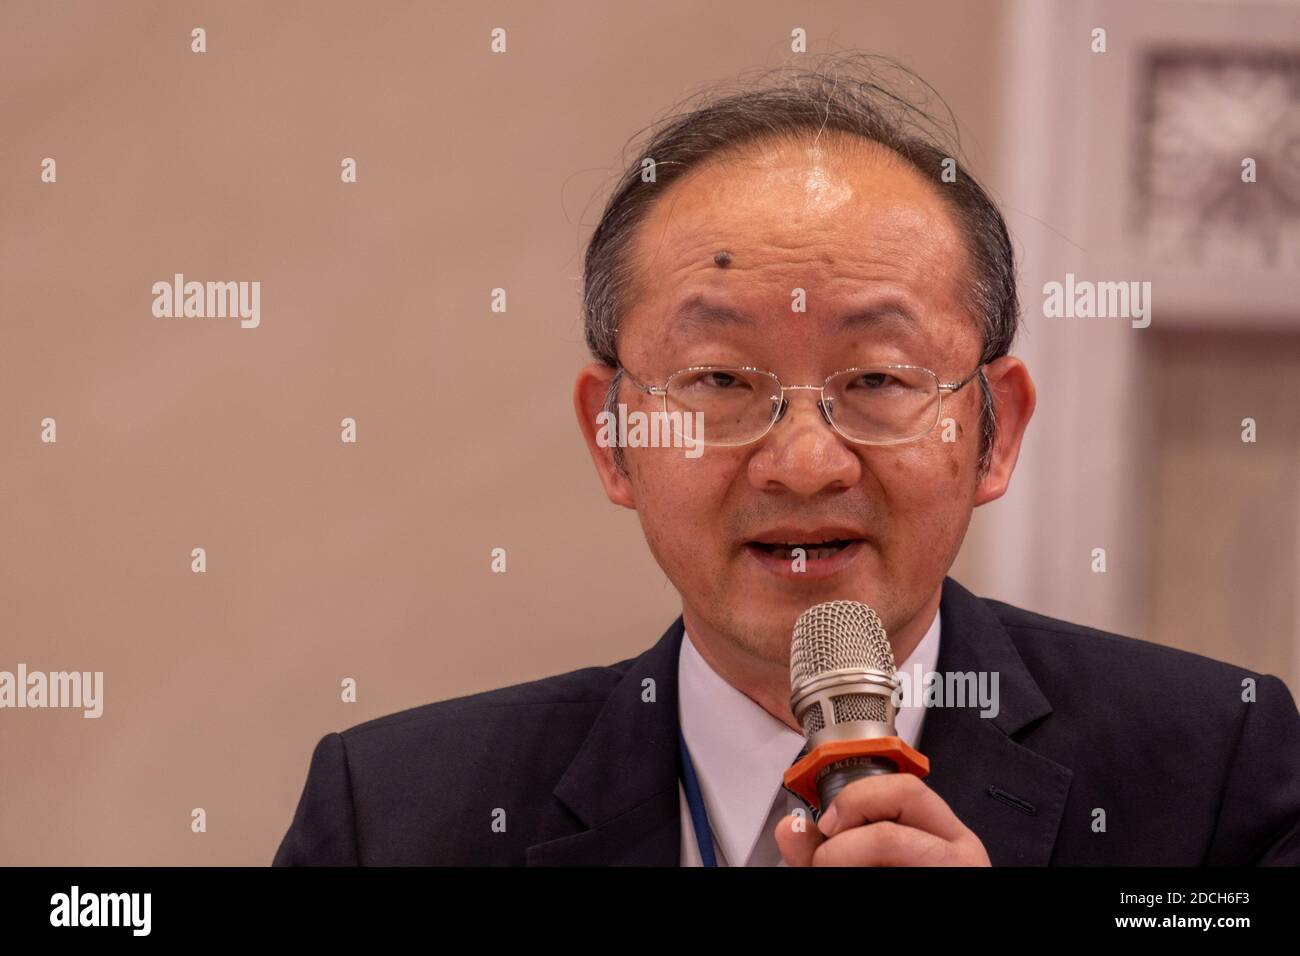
835	635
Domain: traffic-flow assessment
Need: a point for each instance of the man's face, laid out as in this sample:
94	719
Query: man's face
858	231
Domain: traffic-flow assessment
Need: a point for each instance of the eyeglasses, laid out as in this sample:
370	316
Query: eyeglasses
874	405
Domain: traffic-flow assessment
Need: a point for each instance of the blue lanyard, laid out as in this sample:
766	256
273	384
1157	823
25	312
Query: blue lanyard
699	815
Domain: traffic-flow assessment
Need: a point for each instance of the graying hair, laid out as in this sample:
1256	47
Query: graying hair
851	94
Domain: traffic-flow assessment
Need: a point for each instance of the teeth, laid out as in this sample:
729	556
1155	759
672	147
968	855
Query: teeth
811	552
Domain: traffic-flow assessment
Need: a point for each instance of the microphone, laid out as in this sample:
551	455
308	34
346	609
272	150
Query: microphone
842	683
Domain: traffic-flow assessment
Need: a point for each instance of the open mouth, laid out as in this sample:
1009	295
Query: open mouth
811	551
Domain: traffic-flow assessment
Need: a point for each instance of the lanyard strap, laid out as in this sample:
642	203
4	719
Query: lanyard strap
699	815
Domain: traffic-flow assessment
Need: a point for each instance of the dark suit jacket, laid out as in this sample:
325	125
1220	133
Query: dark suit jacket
586	770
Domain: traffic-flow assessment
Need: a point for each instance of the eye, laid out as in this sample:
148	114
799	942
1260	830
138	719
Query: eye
717	380
721	380
875	382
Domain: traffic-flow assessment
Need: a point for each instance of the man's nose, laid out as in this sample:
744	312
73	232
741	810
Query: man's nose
803	453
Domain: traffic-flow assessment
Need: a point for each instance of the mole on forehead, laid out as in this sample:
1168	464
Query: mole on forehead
722	258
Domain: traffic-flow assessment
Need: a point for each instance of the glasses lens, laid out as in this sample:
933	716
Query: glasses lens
884	404
733	405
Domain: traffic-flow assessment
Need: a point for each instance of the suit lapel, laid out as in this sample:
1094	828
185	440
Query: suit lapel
622	784
1009	795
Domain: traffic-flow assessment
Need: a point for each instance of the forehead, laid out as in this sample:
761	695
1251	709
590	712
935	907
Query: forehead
857	228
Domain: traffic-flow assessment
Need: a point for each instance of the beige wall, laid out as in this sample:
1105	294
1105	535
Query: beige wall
327	560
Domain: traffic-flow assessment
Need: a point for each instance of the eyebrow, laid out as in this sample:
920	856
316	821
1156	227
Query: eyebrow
698	312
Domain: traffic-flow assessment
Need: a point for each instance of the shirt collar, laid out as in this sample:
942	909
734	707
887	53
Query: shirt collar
740	751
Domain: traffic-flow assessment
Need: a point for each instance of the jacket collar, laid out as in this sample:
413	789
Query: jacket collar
622	784
1010	796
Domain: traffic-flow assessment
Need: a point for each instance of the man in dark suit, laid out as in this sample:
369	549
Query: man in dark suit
802	289
586	770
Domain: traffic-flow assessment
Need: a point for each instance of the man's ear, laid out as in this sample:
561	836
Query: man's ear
1013	403
589	394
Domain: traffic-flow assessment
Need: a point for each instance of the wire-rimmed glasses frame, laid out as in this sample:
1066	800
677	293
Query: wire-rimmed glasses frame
825	403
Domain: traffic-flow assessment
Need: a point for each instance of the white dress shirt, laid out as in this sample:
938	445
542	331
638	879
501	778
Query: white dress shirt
741	752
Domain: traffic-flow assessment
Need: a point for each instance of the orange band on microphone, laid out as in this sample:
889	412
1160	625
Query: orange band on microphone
801	778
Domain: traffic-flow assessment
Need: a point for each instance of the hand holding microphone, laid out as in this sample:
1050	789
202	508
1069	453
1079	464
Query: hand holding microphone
867	782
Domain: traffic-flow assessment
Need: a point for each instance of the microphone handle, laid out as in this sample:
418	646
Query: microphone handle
835	777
